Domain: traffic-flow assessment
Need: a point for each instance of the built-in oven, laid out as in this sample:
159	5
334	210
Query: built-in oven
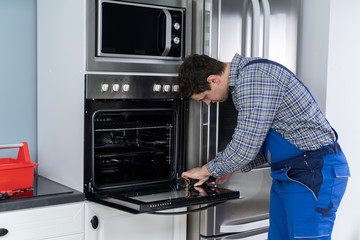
135	138
150	36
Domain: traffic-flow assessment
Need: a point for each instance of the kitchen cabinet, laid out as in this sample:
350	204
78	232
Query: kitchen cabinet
105	223
57	222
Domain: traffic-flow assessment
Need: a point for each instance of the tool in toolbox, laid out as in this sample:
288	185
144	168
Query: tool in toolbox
16	174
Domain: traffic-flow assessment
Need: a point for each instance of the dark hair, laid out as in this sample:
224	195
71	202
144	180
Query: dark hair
194	71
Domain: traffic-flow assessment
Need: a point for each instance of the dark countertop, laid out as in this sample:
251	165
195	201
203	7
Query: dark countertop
44	193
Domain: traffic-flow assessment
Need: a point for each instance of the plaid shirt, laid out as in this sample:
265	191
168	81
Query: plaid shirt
268	96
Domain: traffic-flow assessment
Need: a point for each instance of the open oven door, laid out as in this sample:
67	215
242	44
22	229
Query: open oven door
155	198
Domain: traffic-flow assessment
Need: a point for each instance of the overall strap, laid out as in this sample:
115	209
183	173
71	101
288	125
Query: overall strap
263	60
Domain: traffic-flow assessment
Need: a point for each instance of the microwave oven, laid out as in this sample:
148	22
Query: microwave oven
140	36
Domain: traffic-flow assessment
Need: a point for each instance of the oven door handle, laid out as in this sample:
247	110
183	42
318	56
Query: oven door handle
199	209
164	32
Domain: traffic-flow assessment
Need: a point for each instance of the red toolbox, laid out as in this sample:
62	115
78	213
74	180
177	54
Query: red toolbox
16	174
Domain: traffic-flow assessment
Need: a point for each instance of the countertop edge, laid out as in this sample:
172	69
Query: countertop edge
46	193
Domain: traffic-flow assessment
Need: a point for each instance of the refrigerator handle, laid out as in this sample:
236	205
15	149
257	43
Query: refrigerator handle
243	227
254	31
266	27
255	28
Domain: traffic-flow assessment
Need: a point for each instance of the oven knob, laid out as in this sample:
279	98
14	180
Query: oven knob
176	26
176	88
126	87
176	40
115	87
104	87
166	88
157	88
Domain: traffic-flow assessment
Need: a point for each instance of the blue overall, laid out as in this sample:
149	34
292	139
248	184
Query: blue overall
307	186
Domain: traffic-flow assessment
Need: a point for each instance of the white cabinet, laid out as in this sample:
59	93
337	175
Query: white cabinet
59	222
116	225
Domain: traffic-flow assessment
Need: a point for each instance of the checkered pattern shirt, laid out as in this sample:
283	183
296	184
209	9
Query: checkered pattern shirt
268	96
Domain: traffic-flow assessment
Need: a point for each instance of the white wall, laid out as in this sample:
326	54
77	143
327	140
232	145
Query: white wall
343	104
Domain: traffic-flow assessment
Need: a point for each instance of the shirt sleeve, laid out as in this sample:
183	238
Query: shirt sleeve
257	98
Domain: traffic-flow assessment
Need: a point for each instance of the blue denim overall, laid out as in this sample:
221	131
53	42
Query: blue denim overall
307	186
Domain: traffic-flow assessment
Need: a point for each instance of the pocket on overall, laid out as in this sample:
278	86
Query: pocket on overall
335	178
342	174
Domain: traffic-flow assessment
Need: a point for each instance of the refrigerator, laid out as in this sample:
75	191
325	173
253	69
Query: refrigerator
221	28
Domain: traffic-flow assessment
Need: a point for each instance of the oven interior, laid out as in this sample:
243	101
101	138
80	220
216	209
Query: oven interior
134	147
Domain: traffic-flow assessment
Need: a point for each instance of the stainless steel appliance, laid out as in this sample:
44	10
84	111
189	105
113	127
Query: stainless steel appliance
222	28
138	35
138	30
135	119
135	144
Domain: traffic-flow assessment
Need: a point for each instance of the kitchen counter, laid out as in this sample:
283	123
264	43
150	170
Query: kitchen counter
44	193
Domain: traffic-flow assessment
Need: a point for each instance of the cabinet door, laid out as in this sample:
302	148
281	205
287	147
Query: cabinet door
113	224
44	222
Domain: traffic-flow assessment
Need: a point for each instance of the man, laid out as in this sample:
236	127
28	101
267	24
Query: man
278	122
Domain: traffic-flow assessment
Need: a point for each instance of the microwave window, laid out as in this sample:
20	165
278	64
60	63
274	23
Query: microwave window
133	30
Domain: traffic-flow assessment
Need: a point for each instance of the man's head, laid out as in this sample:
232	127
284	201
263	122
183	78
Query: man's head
200	74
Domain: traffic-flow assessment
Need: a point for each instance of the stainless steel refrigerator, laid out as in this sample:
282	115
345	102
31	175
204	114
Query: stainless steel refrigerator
256	28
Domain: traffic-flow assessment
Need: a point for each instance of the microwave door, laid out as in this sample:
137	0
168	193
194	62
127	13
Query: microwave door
154	199
123	33
138	30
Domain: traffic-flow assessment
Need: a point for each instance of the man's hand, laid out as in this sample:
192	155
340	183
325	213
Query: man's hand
197	173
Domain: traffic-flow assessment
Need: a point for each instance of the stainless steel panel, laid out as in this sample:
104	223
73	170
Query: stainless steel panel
131	87
254	188
252	207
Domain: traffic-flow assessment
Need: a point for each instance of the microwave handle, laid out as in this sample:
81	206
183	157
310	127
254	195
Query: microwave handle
167	33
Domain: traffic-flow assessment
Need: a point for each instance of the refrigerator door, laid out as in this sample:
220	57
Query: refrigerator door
223	28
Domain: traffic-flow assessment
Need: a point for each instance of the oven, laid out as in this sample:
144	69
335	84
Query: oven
135	144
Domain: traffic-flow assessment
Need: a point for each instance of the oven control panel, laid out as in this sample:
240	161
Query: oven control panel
131	87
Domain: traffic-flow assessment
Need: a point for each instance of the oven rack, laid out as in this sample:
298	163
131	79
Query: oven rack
133	128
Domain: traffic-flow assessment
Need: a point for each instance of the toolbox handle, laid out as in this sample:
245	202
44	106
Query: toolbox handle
23	154
15	145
